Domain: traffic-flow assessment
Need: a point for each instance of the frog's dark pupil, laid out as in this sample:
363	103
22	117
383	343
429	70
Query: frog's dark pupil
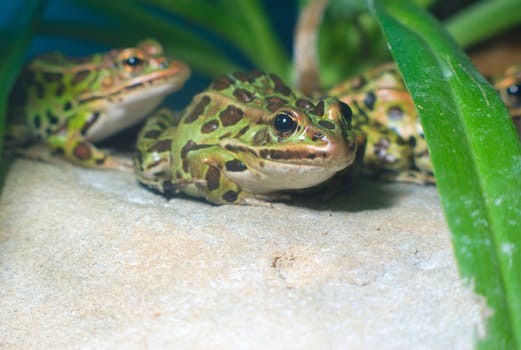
133	61
284	123
514	90
346	112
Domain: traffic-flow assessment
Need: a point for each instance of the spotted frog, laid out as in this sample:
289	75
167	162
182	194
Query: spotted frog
244	139
385	113
70	103
509	87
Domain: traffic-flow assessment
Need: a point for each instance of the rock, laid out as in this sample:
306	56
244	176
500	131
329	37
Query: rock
90	259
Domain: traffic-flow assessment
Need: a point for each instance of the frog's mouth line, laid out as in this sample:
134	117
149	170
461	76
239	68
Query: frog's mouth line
176	74
173	78
267	175
303	156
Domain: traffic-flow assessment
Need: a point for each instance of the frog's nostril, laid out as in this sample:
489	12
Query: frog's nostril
317	135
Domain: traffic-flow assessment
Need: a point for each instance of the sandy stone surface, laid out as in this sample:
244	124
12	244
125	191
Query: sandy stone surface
91	260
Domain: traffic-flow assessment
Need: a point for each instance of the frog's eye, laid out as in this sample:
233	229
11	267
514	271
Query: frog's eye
284	123
346	112
514	90
133	61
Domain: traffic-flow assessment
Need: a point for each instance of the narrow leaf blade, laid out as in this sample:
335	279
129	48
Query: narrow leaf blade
476	156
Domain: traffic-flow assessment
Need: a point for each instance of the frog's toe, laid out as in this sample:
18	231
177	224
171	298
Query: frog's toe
118	163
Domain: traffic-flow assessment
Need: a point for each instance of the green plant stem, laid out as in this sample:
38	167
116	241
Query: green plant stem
483	20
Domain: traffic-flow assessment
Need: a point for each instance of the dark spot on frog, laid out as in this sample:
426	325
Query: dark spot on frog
318	110
241	76
303	103
326	124
222	83
153	165
253	75
231	115
100	161
395	113
37	122
198	109
80	76
370	100
82	151
275	102
241	149
53	119
260	137
178	174
50	76
152	134
59	151
279	85
230	196
67	106
40	90
92	119
161	125
188	147
212	177
412	141
60	90
168	186
235	165
242	131
243	96
160	146
210	126
225	135
358	82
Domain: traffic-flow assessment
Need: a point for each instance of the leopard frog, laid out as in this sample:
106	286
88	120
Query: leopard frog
244	139
70	103
385	113
509	87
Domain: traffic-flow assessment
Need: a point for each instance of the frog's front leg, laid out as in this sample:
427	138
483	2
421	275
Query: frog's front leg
75	148
152	160
208	167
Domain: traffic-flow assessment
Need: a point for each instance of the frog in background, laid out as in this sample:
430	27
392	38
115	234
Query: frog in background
69	104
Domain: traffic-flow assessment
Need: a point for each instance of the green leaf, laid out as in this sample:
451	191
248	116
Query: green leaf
135	22
15	40
476	157
236	22
483	20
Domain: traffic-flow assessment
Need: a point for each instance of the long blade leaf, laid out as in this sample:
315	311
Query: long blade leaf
476	157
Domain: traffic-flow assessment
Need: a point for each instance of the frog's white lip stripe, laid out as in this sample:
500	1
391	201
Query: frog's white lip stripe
174	80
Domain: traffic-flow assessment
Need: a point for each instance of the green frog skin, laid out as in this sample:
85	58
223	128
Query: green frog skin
70	103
